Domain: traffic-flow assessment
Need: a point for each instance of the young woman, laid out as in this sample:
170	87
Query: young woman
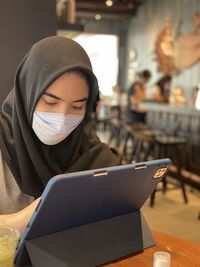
45	126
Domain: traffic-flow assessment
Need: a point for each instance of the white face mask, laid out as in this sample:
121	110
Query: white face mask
52	128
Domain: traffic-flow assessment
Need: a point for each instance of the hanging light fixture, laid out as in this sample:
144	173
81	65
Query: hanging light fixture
109	3
98	17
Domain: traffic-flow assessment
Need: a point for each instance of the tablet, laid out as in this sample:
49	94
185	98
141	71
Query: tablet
75	199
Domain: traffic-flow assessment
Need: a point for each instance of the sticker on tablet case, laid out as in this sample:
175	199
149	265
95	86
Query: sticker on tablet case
160	173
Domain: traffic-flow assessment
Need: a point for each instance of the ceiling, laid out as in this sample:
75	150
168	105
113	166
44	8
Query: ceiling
126	7
119	7
109	8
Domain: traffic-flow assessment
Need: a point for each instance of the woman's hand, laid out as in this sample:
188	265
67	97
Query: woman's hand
20	219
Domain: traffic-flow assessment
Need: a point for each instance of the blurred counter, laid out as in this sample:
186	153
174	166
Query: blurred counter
182	110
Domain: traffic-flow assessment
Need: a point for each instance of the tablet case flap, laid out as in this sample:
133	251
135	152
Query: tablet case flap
92	244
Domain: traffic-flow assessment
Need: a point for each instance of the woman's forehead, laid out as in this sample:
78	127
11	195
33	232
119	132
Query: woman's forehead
69	86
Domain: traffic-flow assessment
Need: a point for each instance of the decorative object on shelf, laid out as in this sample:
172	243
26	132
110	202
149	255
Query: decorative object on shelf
177	97
164	50
132	66
175	52
66	11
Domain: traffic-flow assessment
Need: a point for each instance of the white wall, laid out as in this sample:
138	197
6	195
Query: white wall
117	27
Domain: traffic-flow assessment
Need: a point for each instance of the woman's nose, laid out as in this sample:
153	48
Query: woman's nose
63	109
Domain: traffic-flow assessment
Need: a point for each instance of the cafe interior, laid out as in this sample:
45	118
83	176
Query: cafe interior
146	57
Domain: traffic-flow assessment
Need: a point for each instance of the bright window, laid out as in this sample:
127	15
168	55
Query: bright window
103	52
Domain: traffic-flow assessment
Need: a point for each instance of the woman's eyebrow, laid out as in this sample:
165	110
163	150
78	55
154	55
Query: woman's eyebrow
51	95
81	100
58	98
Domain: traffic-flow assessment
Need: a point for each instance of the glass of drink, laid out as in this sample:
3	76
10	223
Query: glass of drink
8	242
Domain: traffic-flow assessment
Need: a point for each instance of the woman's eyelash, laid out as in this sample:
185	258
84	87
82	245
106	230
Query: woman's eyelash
49	103
77	107
54	103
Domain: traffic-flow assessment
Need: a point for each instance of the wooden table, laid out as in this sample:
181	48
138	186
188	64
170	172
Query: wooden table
183	253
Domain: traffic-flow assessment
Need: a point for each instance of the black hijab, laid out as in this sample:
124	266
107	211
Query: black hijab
31	162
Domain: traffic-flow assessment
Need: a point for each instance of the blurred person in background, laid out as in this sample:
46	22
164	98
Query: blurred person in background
137	94
161	90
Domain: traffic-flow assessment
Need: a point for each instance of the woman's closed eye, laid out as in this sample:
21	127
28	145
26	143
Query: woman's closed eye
50	103
76	107
49	100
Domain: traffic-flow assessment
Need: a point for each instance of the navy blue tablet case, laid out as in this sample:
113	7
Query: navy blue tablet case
76	199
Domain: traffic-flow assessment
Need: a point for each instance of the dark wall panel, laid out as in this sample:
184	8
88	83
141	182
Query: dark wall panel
22	23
